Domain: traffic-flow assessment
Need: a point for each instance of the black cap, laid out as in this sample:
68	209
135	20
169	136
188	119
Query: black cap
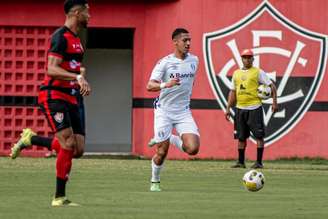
68	4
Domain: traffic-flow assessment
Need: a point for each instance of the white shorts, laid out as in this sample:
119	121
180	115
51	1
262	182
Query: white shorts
165	121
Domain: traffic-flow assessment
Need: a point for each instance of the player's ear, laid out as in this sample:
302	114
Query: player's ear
175	42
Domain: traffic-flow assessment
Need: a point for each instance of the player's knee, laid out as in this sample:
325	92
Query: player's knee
242	144
78	153
192	150
70	142
191	147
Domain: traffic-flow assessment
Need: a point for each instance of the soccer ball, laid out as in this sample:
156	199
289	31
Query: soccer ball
253	180
264	92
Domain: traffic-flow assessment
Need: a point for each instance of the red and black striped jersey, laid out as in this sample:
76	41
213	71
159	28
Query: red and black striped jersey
66	45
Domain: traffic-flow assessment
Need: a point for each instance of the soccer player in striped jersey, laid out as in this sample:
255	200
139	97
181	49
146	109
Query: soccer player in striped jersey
58	98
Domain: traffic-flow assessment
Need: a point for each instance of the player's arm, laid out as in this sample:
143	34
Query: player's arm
57	51
57	72
231	99
231	103
154	85
264	79
156	77
274	97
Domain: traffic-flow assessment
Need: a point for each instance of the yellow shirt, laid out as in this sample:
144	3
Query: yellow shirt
246	84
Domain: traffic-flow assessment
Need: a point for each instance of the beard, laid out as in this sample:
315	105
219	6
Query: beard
84	24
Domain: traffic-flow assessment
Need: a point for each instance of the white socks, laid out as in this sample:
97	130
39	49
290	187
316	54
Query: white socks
176	140
156	170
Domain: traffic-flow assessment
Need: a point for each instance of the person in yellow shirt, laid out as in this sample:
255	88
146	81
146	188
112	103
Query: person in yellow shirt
249	112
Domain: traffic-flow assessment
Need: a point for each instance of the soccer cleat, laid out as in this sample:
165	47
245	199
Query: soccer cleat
151	142
62	202
23	142
154	187
239	165
257	165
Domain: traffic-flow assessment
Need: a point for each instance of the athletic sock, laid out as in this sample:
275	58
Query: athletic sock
63	168
155	173
260	155
241	157
60	187
41	141
176	140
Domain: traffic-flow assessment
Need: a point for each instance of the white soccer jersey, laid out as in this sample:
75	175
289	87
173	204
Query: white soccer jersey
169	67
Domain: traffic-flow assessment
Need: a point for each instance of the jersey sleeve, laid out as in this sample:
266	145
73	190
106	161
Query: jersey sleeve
58	45
264	78
158	71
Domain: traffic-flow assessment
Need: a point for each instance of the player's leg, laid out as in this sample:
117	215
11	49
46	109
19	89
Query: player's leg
191	143
80	145
78	126
58	116
186	127
256	124
241	132
260	149
162	131
51	143
241	155
29	137
157	164
67	143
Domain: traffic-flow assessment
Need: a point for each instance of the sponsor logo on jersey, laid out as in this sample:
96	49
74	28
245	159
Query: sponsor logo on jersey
179	75
78	47
193	66
293	57
74	64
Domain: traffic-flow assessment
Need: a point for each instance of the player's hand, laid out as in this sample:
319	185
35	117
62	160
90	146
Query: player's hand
85	88
227	114
172	83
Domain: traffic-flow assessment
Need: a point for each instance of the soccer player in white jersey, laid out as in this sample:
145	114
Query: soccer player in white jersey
173	76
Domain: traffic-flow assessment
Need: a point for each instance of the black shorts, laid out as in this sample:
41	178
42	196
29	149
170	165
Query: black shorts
248	122
61	114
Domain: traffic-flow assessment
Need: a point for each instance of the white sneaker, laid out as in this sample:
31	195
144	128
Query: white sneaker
154	187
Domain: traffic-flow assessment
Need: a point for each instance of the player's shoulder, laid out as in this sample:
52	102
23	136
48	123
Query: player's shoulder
237	70
193	57
59	31
58	34
257	69
165	59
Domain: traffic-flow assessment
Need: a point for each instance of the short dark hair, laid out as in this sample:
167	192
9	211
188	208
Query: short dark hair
178	31
69	4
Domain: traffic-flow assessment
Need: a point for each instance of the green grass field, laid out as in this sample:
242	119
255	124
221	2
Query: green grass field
112	188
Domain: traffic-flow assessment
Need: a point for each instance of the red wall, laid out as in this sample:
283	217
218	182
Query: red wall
154	22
